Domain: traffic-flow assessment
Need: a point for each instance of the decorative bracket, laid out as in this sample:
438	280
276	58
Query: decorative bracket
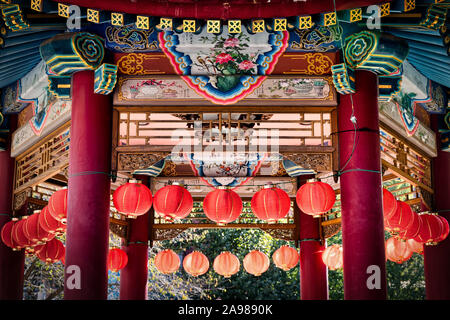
67	53
105	78
375	51
343	79
59	86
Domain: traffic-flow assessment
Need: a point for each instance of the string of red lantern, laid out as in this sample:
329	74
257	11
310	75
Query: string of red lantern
196	263
7	235
256	262
415	246
270	204
226	264
405	224
117	259
285	258
397	251
133	199
52	251
173	202
34	231
167	261
49	223
57	205
389	204
315	198
432	229
333	257
222	205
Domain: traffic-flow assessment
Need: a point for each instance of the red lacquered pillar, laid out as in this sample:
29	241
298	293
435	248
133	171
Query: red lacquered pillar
361	193
11	262
133	278
437	258
313	272
87	236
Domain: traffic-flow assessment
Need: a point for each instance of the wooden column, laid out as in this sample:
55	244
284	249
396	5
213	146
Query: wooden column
361	193
133	278
11	262
313	272
437	258
87	236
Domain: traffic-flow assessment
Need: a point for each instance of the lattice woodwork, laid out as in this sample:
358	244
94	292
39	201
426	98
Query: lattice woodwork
119	227
44	160
331	227
297	129
405	161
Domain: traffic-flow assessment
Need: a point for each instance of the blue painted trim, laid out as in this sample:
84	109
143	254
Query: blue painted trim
10	58
418	37
420	46
17	49
32	60
8	81
39	36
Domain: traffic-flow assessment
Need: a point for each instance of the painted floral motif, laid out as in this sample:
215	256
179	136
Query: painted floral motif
230	56
228	60
223	68
153	87
296	86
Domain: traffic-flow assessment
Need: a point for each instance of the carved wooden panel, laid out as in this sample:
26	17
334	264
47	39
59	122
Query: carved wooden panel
44	160
405	160
316	161
144	128
133	161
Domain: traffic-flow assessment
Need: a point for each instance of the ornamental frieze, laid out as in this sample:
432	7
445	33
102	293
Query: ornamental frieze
244	90
157	63
315	161
135	161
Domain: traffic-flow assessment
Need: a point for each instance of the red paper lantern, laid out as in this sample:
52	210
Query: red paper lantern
167	261
256	262
57	205
38	248
196	263
431	229
133	199
415	246
271	204
49	223
285	258
444	233
34	231
397	250
412	229
402	217
332	257
226	264
173	201
52	251
117	259
315	198
389	203
7	235
222	205
19	236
